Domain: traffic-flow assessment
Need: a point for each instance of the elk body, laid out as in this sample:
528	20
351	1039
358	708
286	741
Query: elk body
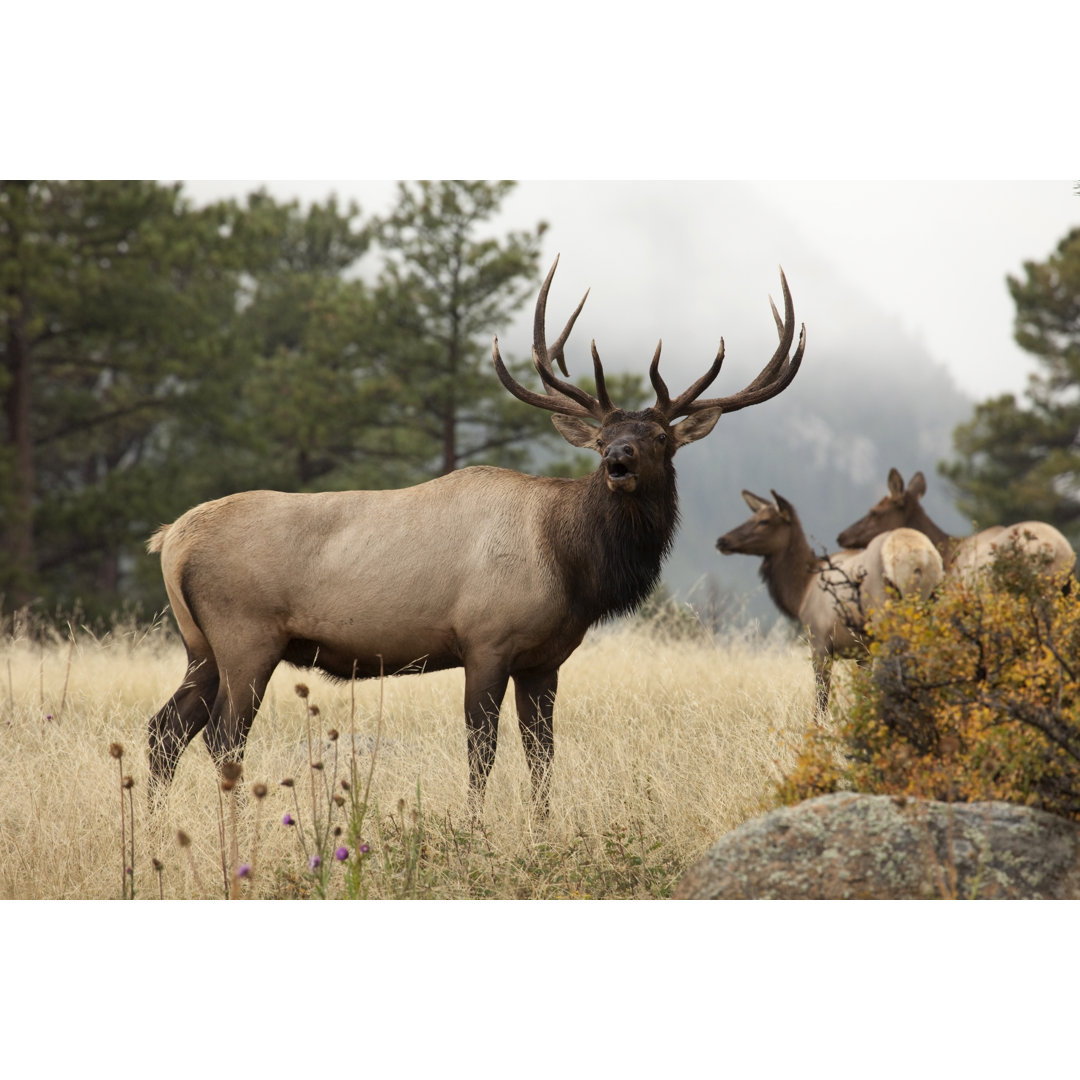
485	568
962	555
832	597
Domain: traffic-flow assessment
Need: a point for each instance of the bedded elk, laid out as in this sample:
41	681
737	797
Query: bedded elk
962	555
831	596
484	568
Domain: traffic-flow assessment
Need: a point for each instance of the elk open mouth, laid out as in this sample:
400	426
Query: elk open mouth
620	478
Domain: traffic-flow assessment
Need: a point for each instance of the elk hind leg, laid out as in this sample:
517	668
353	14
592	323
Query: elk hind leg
182	717
535	698
238	699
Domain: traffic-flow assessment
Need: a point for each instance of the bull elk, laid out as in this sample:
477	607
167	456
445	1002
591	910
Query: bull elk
485	568
832	596
962	555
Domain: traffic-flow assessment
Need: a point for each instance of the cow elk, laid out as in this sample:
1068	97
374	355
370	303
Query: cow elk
962	555
484	568
832	596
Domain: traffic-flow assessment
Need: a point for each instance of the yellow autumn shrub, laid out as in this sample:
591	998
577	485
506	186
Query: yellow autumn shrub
973	695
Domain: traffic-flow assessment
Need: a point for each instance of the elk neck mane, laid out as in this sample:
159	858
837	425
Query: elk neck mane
610	546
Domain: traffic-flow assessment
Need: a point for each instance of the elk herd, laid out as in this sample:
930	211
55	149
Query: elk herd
502	573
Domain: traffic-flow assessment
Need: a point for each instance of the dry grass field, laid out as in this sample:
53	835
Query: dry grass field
663	743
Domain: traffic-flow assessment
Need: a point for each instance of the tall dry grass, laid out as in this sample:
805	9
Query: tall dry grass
662	744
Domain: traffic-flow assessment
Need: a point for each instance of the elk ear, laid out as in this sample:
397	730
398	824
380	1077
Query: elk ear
577	432
755	502
917	486
896	483
784	506
696	426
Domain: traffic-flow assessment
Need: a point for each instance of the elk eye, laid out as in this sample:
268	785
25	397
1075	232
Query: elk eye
661	438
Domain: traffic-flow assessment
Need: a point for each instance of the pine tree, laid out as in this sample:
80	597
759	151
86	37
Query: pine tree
1022	461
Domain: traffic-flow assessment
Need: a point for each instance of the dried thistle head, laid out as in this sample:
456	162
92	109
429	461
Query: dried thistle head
231	770
313	709
259	791
128	783
287	782
332	734
182	838
302	690
116	750
317	765
157	864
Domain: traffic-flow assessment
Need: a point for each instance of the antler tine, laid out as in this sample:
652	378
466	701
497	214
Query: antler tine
560	397
785	328
663	398
557	388
556	403
779	321
773	378
541	352
683	404
601	384
556	350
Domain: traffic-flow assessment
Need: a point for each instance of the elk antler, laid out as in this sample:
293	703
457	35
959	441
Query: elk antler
570	400
561	397
774	377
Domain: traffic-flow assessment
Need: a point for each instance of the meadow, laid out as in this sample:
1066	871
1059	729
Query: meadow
665	739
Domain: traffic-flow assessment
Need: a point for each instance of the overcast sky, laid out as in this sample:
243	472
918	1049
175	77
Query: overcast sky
932	256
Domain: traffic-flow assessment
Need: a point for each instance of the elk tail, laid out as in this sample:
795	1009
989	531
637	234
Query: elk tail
155	541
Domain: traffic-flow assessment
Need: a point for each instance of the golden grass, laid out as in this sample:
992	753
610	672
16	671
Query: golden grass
662	745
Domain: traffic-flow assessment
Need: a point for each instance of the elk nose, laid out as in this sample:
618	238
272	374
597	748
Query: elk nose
620	453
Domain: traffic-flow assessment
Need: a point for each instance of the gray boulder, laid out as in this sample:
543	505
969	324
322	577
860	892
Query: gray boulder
880	847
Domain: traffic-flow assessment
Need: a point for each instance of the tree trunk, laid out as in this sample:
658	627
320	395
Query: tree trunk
18	517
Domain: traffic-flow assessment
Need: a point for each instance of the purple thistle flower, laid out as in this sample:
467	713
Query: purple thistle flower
341	854
243	871
314	862
363	849
288	820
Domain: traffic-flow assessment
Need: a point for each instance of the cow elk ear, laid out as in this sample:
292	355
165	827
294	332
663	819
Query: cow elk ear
755	502
784	506
917	487
695	426
577	432
896	484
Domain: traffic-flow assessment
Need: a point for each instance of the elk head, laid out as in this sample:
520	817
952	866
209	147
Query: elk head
767	532
637	446
897	509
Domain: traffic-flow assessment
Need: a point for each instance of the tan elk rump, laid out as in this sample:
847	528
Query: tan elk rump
834	596
485	568
962	555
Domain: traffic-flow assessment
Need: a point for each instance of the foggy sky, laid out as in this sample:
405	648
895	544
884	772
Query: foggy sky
931	256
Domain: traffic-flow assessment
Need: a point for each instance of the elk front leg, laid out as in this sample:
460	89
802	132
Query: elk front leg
535	697
485	688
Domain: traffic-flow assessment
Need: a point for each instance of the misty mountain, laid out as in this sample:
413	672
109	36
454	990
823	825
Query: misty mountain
678	262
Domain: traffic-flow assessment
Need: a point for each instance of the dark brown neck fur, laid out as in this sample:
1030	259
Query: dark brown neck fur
918	518
610	547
